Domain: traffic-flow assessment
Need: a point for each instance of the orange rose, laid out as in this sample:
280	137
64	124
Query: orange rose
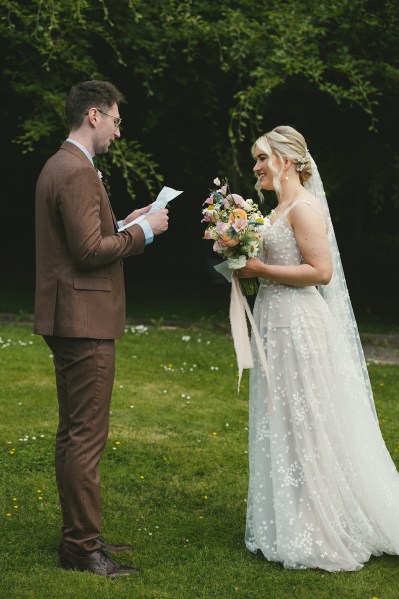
229	242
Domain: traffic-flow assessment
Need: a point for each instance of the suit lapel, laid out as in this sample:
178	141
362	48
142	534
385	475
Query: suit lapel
69	147
110	207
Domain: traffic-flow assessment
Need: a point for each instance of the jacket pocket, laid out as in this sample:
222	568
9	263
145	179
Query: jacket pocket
92	284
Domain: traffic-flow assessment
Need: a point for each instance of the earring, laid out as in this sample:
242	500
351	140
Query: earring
286	177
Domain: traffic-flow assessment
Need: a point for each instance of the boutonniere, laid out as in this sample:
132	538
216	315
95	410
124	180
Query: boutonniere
99	174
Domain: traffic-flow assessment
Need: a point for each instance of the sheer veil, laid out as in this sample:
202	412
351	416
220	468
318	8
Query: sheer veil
336	292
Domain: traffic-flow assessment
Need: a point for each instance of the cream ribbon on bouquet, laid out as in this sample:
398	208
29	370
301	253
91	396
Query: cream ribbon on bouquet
238	309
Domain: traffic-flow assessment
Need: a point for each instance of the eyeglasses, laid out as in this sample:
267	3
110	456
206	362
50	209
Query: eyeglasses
117	119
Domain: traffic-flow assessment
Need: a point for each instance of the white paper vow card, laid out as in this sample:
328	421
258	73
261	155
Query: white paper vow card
167	194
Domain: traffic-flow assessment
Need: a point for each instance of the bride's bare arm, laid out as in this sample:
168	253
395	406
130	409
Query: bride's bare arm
311	237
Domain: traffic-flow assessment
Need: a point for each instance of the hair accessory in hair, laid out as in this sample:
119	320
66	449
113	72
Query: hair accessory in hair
300	164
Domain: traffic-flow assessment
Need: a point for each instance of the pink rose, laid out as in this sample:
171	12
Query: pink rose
216	247
222	228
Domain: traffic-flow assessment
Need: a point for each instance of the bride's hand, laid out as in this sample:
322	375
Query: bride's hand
253	268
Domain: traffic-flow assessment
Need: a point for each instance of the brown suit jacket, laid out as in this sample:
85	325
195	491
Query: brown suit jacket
79	269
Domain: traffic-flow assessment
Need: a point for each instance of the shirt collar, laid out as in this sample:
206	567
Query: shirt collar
84	150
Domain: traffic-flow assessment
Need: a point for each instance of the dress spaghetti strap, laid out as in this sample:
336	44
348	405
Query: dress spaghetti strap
297	202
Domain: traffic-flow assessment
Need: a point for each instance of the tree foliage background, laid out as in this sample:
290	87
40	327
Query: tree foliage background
201	81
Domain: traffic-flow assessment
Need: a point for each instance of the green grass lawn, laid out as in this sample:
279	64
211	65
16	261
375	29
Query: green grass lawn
174	476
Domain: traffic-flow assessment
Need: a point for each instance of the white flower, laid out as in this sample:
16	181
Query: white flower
100	174
216	181
236	262
247	205
253	249
186	338
140	329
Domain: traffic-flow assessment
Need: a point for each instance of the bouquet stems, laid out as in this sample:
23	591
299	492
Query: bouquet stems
249	286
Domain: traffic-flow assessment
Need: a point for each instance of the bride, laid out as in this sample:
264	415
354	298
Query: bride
323	489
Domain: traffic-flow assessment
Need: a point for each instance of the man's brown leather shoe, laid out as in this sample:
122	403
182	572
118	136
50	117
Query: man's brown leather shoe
114	548
105	546
97	562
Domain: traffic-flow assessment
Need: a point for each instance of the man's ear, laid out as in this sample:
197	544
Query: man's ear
92	115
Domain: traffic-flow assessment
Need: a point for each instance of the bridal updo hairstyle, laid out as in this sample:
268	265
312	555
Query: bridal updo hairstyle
285	141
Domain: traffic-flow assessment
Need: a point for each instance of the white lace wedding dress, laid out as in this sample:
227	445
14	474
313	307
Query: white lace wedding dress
323	489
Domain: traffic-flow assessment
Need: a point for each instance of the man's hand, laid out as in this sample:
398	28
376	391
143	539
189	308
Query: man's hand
136	213
158	221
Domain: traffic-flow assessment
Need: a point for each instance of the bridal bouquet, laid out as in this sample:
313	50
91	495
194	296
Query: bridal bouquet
235	225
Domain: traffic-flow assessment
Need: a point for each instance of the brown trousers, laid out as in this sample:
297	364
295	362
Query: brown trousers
85	370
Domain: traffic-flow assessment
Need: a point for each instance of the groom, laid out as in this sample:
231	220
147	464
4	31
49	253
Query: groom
80	311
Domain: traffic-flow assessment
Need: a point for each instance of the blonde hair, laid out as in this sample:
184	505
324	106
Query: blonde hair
288	142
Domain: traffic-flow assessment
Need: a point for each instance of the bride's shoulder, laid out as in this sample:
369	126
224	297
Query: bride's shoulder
307	205
303	201
308	198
